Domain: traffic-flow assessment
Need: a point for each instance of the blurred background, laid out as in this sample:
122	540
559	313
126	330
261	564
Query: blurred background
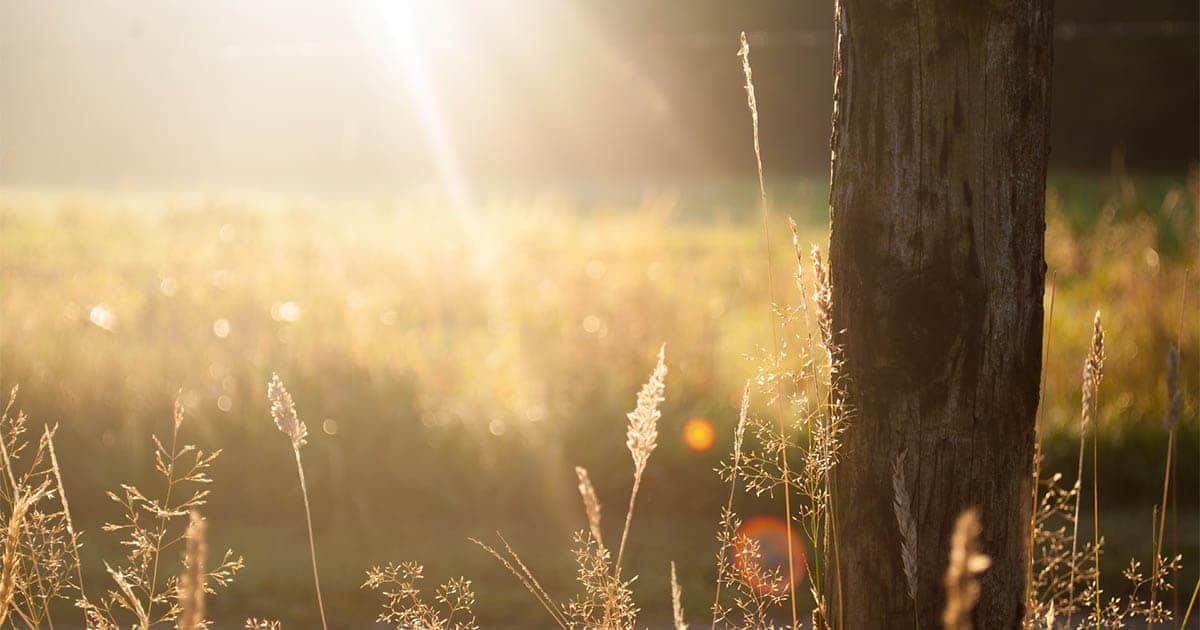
460	231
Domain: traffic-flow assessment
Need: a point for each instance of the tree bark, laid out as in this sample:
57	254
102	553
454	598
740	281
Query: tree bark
941	116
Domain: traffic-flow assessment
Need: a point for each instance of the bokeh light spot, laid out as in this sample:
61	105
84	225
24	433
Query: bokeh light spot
101	316
698	434
285	311
770	533
329	426
221	328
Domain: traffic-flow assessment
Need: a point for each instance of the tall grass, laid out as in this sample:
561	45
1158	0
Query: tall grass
752	104
283	410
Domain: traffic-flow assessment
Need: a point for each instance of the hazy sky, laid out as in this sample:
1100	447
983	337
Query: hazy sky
376	94
253	94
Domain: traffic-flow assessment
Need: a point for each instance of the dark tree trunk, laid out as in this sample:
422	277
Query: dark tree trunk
938	209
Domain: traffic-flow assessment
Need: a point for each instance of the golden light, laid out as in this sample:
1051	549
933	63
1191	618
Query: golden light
285	312
102	317
761	554
698	434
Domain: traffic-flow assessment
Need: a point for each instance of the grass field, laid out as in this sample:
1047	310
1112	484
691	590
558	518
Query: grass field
453	367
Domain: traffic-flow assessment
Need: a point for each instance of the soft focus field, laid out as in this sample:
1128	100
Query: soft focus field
454	367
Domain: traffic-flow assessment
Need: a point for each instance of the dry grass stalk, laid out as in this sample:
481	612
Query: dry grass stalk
1031	549
902	506
526	578
607	601
725	534
405	607
1062	575
184	470
1191	604
191	584
283	411
676	604
591	504
40	565
966	563
48	437
642	436
752	105
10	576
1170	421
1174	390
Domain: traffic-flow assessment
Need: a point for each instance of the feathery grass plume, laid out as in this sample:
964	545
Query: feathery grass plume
902	506
799	254
823	299
283	411
254	623
1093	371
725	531
642	436
405	607
191	584
676	604
184	469
752	105
590	503
966	563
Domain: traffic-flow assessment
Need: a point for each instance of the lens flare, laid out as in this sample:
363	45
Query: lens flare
698	434
771	535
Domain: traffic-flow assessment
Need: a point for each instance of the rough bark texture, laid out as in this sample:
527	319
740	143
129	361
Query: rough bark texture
939	164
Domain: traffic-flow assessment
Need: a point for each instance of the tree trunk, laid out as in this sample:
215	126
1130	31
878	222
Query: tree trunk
941	114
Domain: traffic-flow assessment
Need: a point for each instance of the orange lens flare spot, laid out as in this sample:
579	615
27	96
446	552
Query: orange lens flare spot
760	554
698	434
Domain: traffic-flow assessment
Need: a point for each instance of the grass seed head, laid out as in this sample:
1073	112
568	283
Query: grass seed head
642	435
283	410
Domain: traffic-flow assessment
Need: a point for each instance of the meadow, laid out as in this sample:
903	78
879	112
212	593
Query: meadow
454	366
